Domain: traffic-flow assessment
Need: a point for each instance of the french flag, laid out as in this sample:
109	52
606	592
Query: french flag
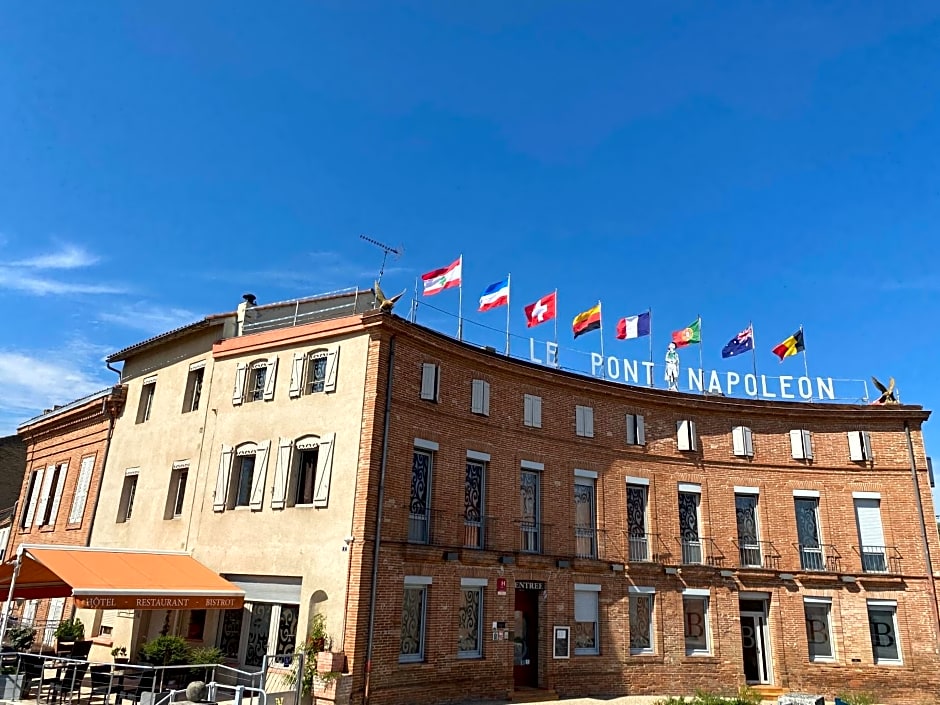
495	295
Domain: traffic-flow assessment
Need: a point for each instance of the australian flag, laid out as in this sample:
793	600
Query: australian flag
740	343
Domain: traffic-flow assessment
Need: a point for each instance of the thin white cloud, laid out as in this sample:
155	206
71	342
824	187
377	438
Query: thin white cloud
149	318
16	280
67	257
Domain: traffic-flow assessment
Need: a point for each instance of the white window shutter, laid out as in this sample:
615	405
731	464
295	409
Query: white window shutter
80	498
748	442
640	430
631	429
281	470
332	369
866	445
537	412
855	446
57	496
270	378
428	381
692	436
296	375
528	417
476	396
589	421
486	398
33	499
241	374
579	420
585	606
807	445
682	435
44	495
868	516
737	440
321	495
221	481
796	444
260	476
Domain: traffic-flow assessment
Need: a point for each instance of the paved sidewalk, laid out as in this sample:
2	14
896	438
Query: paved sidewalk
598	700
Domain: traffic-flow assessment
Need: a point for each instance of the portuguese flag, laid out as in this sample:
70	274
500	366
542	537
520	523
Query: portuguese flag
790	346
587	321
688	335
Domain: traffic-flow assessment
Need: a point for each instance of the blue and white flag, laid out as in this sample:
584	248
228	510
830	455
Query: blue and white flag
495	295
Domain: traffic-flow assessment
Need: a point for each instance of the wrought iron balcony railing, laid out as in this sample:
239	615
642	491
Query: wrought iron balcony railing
757	554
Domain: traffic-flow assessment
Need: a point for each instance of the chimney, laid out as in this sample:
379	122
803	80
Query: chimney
248	301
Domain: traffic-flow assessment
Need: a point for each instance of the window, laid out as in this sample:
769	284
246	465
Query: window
585	619
419	513
641	620
745	510
883	627
690	537
474	496
177	494
742	443
314	372
695	616
532	411
480	397
801	444
807	531
470	618
80	498
306	476
871	536
51	501
144	407
584	421
126	506
193	391
245	486
32	496
818	628
255	382
685	434
860	446
196	625
243	476
413	614
637	499
636	430
585	514
430	381
530	528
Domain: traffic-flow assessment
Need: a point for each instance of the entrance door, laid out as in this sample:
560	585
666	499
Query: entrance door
525	668
754	645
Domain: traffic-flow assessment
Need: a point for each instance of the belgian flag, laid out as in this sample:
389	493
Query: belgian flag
587	321
790	346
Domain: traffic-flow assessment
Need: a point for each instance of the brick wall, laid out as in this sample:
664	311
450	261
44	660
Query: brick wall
12	464
450	424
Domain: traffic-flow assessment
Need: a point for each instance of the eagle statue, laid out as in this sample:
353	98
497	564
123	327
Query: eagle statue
887	393
382	302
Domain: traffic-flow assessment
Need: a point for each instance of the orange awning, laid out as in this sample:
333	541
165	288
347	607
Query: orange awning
119	579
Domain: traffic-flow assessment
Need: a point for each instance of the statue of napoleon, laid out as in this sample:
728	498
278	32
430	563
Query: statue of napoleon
672	368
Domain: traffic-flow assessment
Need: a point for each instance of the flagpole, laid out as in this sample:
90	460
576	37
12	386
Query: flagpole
753	347
701	364
805	365
508	298
460	303
652	376
600	313
414	302
556	317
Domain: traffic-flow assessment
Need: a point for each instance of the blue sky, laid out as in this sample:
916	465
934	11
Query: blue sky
742	161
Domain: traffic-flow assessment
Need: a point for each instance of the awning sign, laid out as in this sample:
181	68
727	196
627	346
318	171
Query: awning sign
158	602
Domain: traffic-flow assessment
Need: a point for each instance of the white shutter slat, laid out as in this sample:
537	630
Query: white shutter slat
57	497
296	375
589	421
80	497
693	438
260	476
321	495
476	396
855	446
281	468
866	445
221	480
33	499
486	398
579	420
737	440
537	412
807	445
428	374
631	430
241	374
270	379
748	442
796	444
682	435
640	430
44	495
332	369
528	417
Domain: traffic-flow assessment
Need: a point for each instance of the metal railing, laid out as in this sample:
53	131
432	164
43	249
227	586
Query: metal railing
757	554
643	548
700	551
533	536
879	559
476	532
819	558
587	541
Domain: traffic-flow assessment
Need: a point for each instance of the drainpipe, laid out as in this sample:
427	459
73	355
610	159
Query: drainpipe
378	516
923	530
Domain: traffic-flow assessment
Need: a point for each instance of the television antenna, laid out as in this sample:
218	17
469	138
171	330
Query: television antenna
398	252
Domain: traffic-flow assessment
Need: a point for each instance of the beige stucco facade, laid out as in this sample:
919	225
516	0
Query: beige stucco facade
296	552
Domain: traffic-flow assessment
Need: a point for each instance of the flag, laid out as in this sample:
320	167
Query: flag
541	311
633	326
587	321
444	278
740	343
495	295
790	346
689	335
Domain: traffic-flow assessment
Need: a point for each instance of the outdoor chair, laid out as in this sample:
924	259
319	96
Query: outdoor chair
80	650
31	668
102	682
133	688
68	682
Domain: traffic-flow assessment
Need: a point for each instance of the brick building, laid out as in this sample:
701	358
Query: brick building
533	528
66	449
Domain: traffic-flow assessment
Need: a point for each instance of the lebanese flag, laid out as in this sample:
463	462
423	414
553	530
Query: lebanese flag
542	310
435	282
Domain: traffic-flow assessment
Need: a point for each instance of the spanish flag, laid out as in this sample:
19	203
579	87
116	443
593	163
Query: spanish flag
587	321
790	346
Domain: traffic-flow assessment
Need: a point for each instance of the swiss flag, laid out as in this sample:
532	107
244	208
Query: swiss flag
541	311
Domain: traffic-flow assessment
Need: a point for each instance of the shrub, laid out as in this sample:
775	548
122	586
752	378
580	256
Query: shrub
165	651
744	696
21	638
853	698
318	641
70	630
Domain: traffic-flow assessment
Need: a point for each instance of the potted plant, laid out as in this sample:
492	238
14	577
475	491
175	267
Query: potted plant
11	684
165	650
69	631
21	638
119	654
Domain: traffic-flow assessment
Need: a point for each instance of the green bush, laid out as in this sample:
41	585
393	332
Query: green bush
21	638
744	696
853	698
318	641
70	630
166	651
203	656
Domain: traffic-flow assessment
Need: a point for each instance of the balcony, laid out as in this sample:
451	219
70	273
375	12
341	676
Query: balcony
879	559
425	527
476	532
588	541
643	548
819	558
532	537
757	554
700	551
